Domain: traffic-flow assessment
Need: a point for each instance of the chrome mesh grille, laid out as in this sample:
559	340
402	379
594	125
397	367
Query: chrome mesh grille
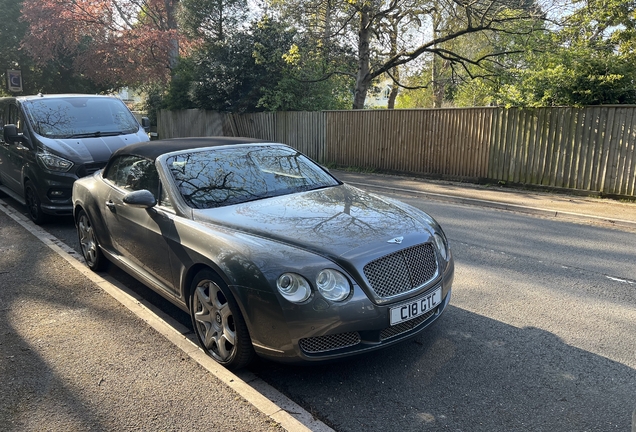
402	271
405	326
329	342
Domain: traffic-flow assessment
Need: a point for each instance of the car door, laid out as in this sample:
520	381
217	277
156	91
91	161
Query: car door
4	150
142	236
14	155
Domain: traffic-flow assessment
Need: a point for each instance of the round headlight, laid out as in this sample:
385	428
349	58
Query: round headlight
333	285
441	246
293	287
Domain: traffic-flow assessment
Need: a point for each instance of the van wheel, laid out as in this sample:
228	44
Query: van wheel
33	204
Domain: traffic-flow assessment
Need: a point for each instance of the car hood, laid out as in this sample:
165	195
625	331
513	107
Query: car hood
95	149
331	221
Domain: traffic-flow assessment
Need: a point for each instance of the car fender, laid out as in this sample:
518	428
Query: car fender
83	199
250	271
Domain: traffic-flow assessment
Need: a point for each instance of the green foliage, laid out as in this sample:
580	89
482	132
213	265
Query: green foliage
588	61
298	86
417	98
228	78
586	77
250	71
178	95
306	55
153	101
473	93
212	20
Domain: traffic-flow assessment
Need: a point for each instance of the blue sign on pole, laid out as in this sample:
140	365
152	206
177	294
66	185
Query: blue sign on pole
14	80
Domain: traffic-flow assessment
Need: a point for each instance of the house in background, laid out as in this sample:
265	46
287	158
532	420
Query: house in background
131	97
378	96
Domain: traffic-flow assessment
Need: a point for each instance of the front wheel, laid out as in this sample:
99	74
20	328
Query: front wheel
93	255
218	323
34	206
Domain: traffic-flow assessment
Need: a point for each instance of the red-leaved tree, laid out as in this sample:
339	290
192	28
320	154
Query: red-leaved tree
115	42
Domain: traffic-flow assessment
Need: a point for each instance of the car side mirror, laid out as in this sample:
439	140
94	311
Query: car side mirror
140	199
11	135
145	123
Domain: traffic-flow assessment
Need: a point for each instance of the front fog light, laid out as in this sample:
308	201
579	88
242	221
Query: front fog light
441	246
333	285
293	287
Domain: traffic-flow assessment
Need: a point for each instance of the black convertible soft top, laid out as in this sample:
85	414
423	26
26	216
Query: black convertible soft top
153	149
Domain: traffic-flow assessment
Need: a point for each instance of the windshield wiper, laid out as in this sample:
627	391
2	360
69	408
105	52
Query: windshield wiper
96	134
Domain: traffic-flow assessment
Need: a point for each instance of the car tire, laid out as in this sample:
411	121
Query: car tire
34	207
218	322
93	255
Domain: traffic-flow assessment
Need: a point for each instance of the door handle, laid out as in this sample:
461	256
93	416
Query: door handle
110	205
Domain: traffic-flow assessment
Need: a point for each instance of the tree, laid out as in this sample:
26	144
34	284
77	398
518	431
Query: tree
212	20
250	70
360	23
567	77
50	77
587	61
113	42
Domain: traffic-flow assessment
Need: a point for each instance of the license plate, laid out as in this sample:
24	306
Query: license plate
415	308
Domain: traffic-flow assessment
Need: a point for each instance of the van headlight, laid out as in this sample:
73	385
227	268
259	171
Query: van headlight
54	163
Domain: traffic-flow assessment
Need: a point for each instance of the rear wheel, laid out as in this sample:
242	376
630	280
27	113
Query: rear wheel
218	323
34	206
93	255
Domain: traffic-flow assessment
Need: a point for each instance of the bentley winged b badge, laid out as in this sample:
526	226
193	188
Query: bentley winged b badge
396	240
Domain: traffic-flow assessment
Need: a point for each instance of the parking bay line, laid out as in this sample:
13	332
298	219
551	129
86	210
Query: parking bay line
261	395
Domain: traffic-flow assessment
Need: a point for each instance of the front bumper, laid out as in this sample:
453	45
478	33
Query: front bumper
55	189
309	333
55	193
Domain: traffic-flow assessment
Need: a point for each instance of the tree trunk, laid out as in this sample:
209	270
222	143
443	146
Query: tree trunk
173	54
438	90
326	33
363	80
395	71
219	30
395	89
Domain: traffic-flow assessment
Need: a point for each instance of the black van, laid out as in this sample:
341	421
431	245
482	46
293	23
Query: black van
49	141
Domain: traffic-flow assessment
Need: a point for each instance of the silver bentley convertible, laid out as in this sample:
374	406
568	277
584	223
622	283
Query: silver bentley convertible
267	252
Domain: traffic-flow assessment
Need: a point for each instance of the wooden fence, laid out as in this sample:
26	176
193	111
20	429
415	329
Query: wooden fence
588	148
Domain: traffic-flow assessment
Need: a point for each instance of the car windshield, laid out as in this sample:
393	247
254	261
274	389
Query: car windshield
219	177
80	117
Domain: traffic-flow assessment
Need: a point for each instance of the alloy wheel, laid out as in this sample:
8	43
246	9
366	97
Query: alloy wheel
214	321
87	240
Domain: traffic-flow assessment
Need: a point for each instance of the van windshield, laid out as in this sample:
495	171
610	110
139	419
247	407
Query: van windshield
80	117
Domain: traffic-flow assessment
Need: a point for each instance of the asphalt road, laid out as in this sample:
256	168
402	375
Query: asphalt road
540	335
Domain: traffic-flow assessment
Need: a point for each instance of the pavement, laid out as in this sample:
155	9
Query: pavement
572	206
78	352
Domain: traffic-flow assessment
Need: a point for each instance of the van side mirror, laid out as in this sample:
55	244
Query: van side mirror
11	135
145	123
